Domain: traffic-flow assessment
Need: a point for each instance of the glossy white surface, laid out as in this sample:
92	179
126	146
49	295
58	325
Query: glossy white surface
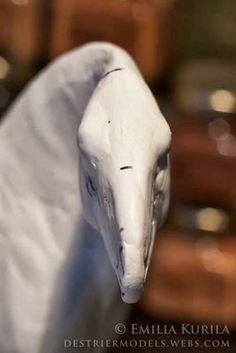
91	105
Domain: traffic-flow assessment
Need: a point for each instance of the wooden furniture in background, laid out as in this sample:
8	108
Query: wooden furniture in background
20	29
141	27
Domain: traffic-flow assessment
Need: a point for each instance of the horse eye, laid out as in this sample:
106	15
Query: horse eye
90	186
163	161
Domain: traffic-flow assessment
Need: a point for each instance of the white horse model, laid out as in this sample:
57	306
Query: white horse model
91	106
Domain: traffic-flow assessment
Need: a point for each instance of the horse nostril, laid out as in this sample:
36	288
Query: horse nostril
90	186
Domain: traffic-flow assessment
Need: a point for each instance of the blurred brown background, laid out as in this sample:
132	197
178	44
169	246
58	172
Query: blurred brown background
186	50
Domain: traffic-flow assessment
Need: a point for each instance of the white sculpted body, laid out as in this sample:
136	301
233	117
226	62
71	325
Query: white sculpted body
91	106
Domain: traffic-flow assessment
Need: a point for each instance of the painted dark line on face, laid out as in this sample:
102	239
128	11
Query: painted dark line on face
126	167
114	70
122	229
121	262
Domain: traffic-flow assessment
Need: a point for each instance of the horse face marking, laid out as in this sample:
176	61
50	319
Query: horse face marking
113	70
126	167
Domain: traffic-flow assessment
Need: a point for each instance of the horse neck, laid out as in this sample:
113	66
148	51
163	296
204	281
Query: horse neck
39	159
